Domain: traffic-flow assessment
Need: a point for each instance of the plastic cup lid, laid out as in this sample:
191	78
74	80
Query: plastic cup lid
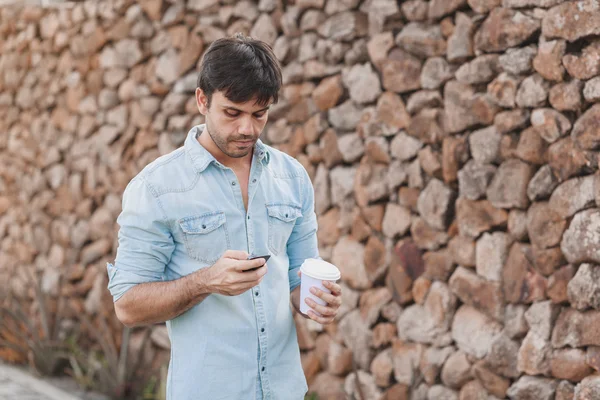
320	269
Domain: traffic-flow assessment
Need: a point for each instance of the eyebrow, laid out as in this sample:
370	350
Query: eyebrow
240	111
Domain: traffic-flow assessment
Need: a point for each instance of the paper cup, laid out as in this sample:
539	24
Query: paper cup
314	272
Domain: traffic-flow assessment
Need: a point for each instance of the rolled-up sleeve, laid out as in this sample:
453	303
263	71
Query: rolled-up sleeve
145	240
302	243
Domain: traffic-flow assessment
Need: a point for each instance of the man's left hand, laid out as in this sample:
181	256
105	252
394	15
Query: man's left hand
333	301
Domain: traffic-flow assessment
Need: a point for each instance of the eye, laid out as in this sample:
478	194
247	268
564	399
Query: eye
232	114
260	114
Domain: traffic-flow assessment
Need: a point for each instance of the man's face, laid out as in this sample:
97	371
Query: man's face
233	127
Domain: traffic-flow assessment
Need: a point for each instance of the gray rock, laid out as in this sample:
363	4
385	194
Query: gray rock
574	195
581	241
342	183
362	83
435	204
542	184
356	336
588	388
533	91
436	71
473	179
480	70
424	323
518	60
550	124
491	252
405	147
485	145
509	186
321	188
530	388
473	331
460	43
591	90
351	146
345	116
396	220
584	289
540	317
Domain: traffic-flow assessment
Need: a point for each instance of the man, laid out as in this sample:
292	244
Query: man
191	218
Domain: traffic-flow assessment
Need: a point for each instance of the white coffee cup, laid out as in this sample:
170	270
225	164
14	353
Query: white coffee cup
313	273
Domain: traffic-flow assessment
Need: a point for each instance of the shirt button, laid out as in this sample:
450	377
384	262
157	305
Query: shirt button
263	368
262	329
256	293
253	180
248	217
232	183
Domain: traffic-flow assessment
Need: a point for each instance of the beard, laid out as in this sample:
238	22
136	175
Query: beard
228	146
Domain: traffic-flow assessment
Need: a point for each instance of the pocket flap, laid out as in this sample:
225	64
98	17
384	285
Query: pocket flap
202	224
284	212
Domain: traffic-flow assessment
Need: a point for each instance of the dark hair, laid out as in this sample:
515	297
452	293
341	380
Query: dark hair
241	67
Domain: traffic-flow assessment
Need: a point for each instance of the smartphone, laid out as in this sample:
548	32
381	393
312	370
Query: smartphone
251	257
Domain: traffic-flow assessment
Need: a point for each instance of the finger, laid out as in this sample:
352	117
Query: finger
253	276
322	320
328	297
236	254
249	264
323	310
334	287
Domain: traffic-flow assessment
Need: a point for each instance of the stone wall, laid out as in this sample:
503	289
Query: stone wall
452	146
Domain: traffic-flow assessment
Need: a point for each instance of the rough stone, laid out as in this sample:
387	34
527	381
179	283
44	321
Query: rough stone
485	145
572	21
581	241
516	28
573	195
348	255
584	65
422	40
584	133
509	186
469	322
545	225
566	96
520	281
550	124
591	90
460	42
569	364
502	357
476	217
424	323
362	83
406	357
482	69
576	329
548	61
456	371
401	71
435	204
357	336
473	180
503	90
558	284
477	292
494	384
584	289
436	71
462	251
529	388
533	91
588	388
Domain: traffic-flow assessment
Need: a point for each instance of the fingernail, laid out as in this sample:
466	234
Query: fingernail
313	290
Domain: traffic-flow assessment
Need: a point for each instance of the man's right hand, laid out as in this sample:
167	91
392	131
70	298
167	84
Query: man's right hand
227	276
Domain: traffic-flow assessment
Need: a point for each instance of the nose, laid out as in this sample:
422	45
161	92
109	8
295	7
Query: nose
246	126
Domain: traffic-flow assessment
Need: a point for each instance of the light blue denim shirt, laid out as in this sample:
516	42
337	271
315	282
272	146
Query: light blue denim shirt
180	214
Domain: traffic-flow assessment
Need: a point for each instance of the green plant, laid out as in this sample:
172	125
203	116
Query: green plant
33	338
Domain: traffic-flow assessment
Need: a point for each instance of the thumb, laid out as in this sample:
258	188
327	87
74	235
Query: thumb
236	254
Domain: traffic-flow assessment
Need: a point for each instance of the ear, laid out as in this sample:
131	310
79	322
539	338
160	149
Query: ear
201	101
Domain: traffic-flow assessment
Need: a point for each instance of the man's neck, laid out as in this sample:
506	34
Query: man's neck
236	164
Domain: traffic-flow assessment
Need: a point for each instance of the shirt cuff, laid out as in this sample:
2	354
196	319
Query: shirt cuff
120	281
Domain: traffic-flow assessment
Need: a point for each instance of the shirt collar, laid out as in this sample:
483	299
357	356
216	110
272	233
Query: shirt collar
201	158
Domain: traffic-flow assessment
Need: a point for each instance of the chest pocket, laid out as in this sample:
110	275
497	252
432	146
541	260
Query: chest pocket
282	218
205	236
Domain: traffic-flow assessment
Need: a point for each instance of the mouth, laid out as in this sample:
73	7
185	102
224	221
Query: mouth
244	143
